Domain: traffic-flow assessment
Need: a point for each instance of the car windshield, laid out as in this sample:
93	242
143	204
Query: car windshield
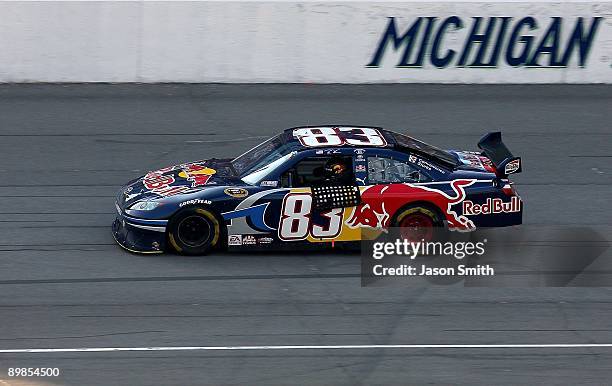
258	175
262	155
422	147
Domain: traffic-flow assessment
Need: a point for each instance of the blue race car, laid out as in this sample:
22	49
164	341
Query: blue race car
312	185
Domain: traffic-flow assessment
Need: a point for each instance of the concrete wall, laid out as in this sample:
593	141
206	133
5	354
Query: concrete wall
305	42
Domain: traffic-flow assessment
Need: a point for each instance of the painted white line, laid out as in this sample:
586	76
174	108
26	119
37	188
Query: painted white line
321	347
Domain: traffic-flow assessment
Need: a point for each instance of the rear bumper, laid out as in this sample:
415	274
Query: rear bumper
139	235
495	212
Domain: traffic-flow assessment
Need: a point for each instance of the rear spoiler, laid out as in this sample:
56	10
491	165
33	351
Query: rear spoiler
493	147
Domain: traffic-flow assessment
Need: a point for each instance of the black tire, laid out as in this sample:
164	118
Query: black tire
194	231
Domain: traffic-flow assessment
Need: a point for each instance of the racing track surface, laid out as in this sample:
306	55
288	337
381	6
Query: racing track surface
65	150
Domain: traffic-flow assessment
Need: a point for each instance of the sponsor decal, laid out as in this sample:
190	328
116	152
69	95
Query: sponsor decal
380	201
429	166
488	164
360	168
236	192
512	166
160	184
424	164
360	151
471	159
488	42
265	240
195	201
249	240
476	160
491	206
269	183
197	174
234	240
329	151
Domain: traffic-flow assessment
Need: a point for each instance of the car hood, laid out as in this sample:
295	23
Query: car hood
179	179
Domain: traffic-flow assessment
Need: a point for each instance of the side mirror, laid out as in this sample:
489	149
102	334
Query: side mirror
330	197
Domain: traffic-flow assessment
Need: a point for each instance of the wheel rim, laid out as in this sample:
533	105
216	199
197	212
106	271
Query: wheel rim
194	231
417	227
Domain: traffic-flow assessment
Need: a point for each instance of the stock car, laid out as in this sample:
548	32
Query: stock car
311	185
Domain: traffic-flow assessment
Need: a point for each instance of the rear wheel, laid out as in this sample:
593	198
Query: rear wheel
418	223
422	223
194	231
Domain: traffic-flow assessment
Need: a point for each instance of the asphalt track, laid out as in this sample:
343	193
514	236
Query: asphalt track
65	150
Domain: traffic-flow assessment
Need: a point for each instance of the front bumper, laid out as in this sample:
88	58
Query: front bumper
139	235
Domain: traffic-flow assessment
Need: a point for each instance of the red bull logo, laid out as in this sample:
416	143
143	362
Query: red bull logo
381	202
197	174
495	205
161	184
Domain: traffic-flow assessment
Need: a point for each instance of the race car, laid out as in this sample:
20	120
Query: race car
312	185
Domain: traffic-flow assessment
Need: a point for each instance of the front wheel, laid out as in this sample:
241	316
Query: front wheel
194	231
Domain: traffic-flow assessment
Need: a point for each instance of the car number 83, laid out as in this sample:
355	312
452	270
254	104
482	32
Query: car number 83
338	136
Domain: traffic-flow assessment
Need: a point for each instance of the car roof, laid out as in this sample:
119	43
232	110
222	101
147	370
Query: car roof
387	134
399	142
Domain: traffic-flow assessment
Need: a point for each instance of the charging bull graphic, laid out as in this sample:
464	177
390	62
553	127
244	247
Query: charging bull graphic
381	202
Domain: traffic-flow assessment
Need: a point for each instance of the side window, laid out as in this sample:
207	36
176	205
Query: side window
382	170
319	171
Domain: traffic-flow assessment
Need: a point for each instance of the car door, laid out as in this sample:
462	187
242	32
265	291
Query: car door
316	206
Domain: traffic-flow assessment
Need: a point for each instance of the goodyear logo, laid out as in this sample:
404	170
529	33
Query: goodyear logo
488	43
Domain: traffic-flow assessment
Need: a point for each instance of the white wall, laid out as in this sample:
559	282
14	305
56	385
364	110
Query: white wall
267	42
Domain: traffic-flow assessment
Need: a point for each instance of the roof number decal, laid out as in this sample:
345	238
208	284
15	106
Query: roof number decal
339	136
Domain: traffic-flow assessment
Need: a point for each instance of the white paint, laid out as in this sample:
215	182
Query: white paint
318	1
285	41
308	347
